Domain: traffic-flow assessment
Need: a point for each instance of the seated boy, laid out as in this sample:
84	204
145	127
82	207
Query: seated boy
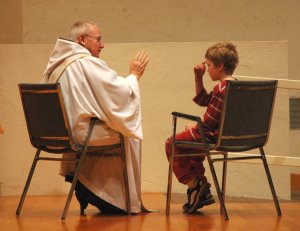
221	61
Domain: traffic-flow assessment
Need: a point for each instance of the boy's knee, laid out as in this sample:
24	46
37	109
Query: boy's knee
168	145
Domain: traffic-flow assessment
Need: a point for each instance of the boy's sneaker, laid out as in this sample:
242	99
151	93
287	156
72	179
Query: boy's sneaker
187	204
208	200
198	197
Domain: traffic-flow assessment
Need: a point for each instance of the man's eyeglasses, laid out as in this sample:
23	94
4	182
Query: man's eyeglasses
97	38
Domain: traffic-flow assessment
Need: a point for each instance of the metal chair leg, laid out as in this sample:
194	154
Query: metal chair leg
81	159
220	195
275	199
35	160
224	177
171	162
72	189
168	204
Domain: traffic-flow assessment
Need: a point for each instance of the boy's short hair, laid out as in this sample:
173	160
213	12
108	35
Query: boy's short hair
223	53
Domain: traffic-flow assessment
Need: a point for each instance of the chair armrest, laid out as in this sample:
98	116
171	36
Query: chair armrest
193	118
186	116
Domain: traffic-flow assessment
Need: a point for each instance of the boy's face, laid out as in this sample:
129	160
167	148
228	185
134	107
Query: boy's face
215	72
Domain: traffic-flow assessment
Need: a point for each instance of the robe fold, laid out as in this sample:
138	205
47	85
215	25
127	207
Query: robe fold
91	89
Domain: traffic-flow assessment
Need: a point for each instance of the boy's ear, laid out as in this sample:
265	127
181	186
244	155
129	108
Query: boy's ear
221	67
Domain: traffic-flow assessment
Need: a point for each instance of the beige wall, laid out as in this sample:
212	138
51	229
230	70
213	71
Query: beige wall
156	20
175	33
40	21
11	16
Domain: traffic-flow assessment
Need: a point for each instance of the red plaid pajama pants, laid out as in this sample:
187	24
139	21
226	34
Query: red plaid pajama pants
190	167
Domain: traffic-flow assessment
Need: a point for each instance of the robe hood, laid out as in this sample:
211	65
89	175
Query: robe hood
63	49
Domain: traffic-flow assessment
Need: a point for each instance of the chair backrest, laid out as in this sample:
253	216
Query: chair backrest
46	118
246	115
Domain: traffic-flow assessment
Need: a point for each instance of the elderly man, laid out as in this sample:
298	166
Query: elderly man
90	88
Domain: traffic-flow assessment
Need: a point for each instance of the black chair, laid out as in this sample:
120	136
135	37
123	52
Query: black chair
49	131
244	125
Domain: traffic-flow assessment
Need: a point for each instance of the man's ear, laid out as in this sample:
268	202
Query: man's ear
81	39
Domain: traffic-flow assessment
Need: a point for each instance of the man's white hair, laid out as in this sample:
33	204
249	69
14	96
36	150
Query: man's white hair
80	27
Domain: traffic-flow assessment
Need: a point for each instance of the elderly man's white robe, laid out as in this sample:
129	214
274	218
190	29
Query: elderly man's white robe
91	89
